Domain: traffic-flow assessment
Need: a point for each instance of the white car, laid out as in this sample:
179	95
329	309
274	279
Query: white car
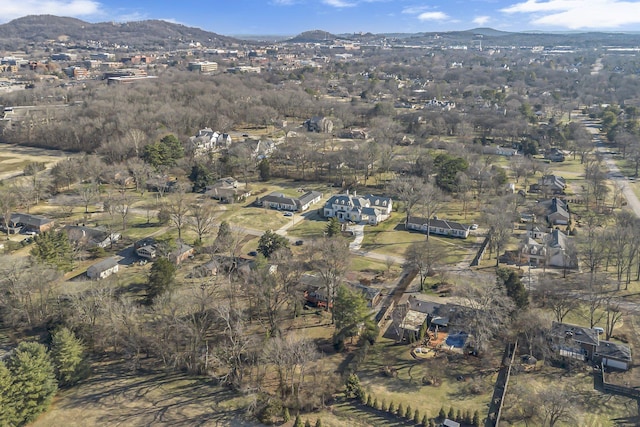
474	227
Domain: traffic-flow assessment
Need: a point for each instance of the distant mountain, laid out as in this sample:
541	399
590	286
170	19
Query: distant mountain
312	37
141	34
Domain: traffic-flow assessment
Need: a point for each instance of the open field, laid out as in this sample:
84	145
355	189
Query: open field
14	158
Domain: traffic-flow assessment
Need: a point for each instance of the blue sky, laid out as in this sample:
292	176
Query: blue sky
284	17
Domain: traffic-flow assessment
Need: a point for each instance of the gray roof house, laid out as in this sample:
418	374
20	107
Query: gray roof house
576	342
103	269
613	355
90	236
368	209
437	226
557	211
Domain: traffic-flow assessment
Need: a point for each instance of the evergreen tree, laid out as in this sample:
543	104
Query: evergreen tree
68	356
432	423
286	416
265	169
298	422
307	423
442	415
53	247
400	410
392	408
270	242
34	380
224	238
369	401
416	417
452	413
476	419
318	422
425	421
467	417
333	227
161	278
383	406
458	416
201	176
7	409
376	404
353	387
513	286
408	413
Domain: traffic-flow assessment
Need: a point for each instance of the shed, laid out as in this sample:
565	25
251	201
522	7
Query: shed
103	269
450	423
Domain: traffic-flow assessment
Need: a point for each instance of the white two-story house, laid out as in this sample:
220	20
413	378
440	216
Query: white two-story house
368	209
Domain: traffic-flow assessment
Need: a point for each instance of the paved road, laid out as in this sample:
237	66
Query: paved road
614	172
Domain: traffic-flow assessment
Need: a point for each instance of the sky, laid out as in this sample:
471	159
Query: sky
290	17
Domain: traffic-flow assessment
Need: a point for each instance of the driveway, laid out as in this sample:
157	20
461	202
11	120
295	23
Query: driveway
358	232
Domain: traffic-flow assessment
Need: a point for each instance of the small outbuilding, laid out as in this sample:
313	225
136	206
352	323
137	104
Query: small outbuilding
103	269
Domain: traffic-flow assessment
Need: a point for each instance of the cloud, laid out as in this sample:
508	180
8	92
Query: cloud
338	3
433	16
481	20
415	10
578	14
12	9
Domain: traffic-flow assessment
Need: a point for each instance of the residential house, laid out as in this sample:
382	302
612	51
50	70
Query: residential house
278	201
576	342
554	155
535	232
354	134
27	222
532	252
501	151
228	190
148	252
319	124
368	209
556	210
549	184
418	312
613	355
103	269
437	226
207	140
552	250
307	199
181	253
89	237
371	294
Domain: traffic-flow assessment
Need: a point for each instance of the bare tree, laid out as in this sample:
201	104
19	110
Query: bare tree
423	257
202	218
178	208
409	192
329	257
88	193
8	202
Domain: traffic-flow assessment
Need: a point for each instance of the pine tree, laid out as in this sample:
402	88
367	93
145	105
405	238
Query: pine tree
68	356
408	413
442	415
383	406
333	227
451	414
392	408
298	422
34	380
458	416
467	417
432	423
161	278
416	417
376	404
425	421
400	410
286	416
363	398
307	423
7	410
318	422
476	419
369	401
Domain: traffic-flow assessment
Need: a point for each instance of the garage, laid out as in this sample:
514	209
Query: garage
616	364
613	355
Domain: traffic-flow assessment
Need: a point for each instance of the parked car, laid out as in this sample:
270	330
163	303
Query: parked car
253	253
299	242
288	214
474	226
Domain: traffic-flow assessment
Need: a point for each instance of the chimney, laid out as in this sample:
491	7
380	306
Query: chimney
355	193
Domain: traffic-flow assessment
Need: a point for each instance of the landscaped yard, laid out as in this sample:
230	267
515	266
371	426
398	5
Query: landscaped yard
466	382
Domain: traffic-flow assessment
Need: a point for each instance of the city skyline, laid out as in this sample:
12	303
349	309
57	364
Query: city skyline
290	17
